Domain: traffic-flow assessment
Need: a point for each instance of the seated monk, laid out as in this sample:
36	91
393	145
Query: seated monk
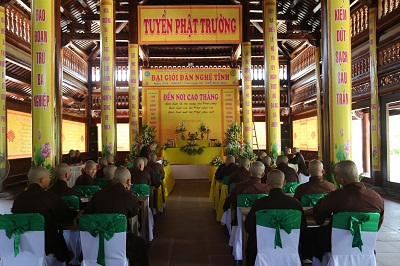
37	200
86	178
119	199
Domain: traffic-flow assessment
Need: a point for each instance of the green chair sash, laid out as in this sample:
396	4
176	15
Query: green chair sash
71	201
290	187
279	219
356	222
141	189
225	180
101	182
231	187
104	225
247	200
159	175
86	190
20	223
310	200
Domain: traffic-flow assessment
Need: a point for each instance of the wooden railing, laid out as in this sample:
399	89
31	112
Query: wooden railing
359	21
302	61
388	6
76	64
360	66
18	24
389	54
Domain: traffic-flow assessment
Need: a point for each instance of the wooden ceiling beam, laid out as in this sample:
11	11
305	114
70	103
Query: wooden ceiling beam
288	36
94	53
92	36
119	17
236	52
120	26
18	94
6	3
144	53
19	80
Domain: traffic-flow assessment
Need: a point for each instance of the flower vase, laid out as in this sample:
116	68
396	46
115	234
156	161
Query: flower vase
202	135
182	136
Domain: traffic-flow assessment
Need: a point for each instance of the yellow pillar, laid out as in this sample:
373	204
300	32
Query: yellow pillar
375	138
247	94
319	106
107	70
3	93
272	85
43	83
133	93
339	43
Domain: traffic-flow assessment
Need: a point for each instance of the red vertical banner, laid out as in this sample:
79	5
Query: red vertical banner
107	70
133	93
247	94
272	82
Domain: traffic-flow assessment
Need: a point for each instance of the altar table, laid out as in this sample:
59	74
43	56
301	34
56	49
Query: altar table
176	156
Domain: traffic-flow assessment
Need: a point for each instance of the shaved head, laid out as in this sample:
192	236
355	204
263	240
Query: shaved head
109	171
244	162
229	159
257	169
276	178
266	160
153	157
102	161
315	168
37	172
282	159
121	175
346	170
61	170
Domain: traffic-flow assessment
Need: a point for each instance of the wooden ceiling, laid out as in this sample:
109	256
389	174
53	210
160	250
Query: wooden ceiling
298	27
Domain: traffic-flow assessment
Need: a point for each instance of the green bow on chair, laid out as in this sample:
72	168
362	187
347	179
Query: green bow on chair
18	224
356	222
279	219
280	223
104	225
247	200
355	229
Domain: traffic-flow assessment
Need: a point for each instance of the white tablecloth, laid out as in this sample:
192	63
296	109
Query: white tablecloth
75	172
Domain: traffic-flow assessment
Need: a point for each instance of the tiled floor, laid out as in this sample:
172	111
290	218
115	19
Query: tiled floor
188	234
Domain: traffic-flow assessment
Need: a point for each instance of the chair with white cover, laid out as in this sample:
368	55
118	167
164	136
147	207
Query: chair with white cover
103	238
353	238
224	193
310	200
278	233
235	240
72	237
144	190
22	240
